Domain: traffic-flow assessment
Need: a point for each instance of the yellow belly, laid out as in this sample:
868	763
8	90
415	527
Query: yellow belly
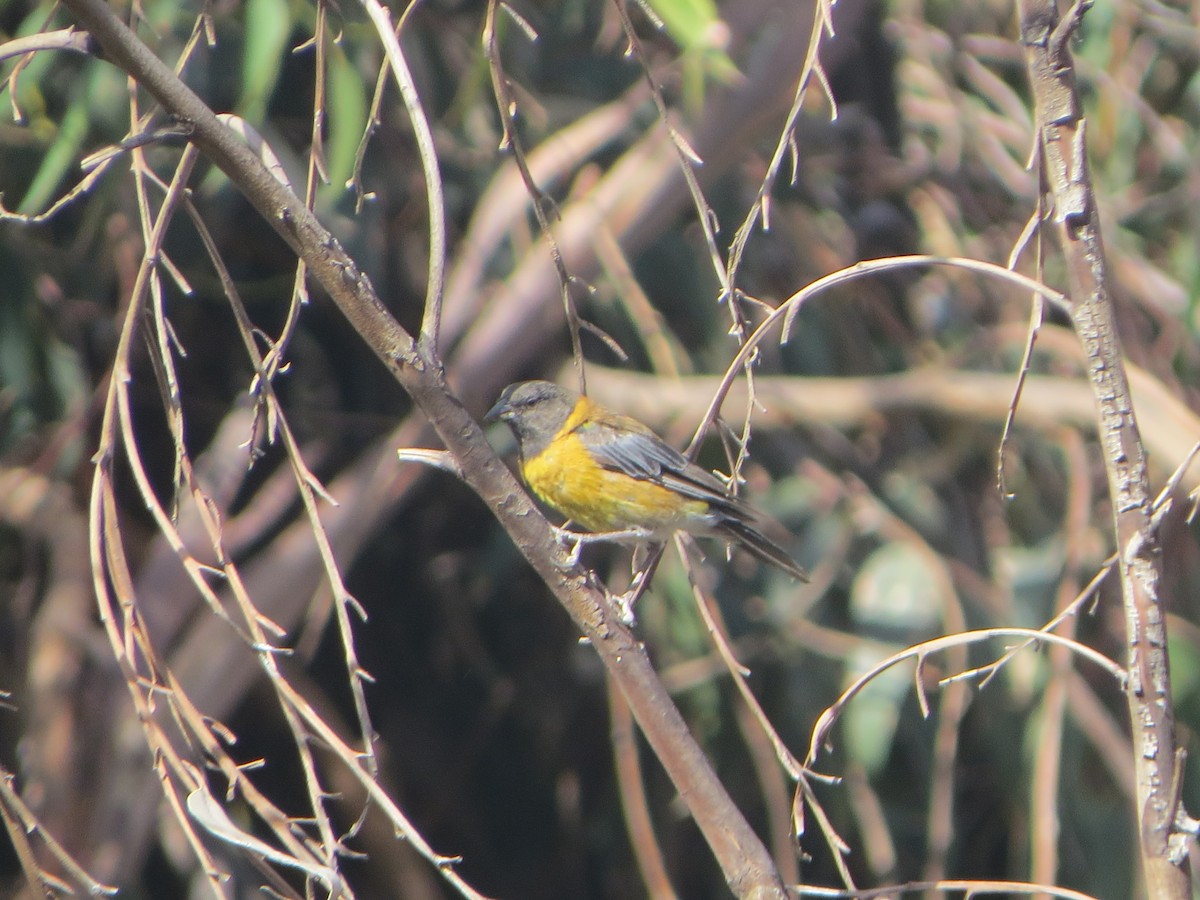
564	477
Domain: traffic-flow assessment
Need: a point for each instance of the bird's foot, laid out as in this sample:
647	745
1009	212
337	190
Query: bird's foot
624	601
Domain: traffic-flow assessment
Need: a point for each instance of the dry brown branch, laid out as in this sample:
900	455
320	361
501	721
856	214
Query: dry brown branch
506	200
638	197
163	704
1063	168
541	203
26	47
967	887
726	271
638	824
748	867
689	161
63	39
760	209
24	829
156	686
431	323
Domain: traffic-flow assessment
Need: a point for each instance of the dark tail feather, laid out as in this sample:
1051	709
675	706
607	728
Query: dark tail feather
762	547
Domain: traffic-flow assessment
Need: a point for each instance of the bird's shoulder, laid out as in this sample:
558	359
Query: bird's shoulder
624	444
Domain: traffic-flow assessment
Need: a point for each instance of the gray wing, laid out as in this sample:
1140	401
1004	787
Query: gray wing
641	454
627	446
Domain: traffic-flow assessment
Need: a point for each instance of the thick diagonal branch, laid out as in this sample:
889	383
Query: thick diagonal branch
743	858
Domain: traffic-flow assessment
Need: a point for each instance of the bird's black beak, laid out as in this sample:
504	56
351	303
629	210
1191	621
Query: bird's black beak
496	413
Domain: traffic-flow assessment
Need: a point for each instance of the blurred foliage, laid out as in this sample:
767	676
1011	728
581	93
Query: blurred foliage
492	720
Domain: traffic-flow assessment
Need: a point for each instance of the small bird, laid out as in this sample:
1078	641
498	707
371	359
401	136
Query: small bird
611	474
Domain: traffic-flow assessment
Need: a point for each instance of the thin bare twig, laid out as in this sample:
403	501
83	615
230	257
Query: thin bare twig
431	323
787	311
796	771
919	651
760	208
511	141
63	39
638	825
20	823
970	888
688	161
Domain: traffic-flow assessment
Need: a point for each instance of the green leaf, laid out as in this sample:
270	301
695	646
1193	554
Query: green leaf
898	589
702	35
869	722
268	24
347	106
59	158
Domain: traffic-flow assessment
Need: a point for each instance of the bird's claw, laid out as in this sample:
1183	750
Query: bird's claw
624	606
624	601
571	542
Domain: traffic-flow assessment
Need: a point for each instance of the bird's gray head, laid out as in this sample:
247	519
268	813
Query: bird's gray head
535	411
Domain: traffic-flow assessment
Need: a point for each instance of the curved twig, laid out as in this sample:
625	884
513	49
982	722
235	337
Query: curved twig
918	652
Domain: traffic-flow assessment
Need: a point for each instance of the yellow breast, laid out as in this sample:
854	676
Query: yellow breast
565	477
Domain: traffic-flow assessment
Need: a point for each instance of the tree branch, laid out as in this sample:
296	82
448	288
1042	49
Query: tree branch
746	864
1062	141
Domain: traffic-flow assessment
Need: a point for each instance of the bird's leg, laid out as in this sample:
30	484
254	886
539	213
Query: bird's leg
637	568
626	536
572	541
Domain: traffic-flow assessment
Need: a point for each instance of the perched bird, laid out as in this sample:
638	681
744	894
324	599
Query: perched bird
610	473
